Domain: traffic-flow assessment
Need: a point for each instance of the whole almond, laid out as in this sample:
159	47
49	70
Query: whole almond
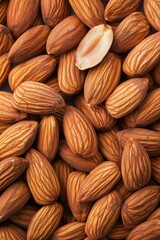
5	67
11	231
37	98
65	36
3	11
102	79
151	10
48	218
121	189
103	215
139	206
155	164
91	12
54	11
118	232
41	178
4	126
17	139
155	215
127	97
37	69
6	39
79	133
131	31
143	57
29	44
10	169
13	199
156	74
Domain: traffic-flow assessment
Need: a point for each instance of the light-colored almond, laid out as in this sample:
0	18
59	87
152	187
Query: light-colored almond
152	10
11	231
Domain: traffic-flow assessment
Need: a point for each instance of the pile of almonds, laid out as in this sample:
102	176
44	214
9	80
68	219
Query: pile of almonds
80	127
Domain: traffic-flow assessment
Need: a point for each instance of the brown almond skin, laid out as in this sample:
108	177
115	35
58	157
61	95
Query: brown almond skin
139	206
155	164
118	231
17	139
156	126
103	215
121	189
54	12
118	9
4	126
81	138
102	79
10	169
45	222
13	199
6	39
151	10
3	11
155	215
131	31
53	83
156	74
65	36
143	57
5	68
11	231
89	11
37	69
41	178
30	44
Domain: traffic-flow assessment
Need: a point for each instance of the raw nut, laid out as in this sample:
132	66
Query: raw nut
118	232
17	139
139	206
143	57
37	98
4	126
37	69
155	164
79	163
102	79
11	231
3	11
6	39
152	10
121	189
13	199
94	46
70	231
109	145
127	97
10	169
131	31
118	9
79	210
65	36
98	116
156	126
45	222
149	139
70	78
135	165
147	113
54	11
103	215
48	137
53	83
156	74
8	113
97	158
5	68
41	178
79	133
30	44
147	230
24	216
91	12
155	215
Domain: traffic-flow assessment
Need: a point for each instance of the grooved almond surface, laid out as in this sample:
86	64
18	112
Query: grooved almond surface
11	231
156	73
6	39
5	67
121	189
118	231
3	10
155	215
152	10
53	83
4	126
155	164
79	133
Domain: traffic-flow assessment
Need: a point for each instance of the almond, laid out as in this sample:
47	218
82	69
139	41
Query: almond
155	215
10	231
38	20
48	137
5	67
139	206
89	11
3	11
41	178
29	44
99	182
65	36
4	126
45	222
102	79
156	74
152	9
13	199
10	169
97	158
53	83
79	133
17	139
118	9
143	57
37	98
103	215
37	69
118	232
156	126
127	97
135	166
155	163
131	31
54	12
94	46
6	39
121	189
